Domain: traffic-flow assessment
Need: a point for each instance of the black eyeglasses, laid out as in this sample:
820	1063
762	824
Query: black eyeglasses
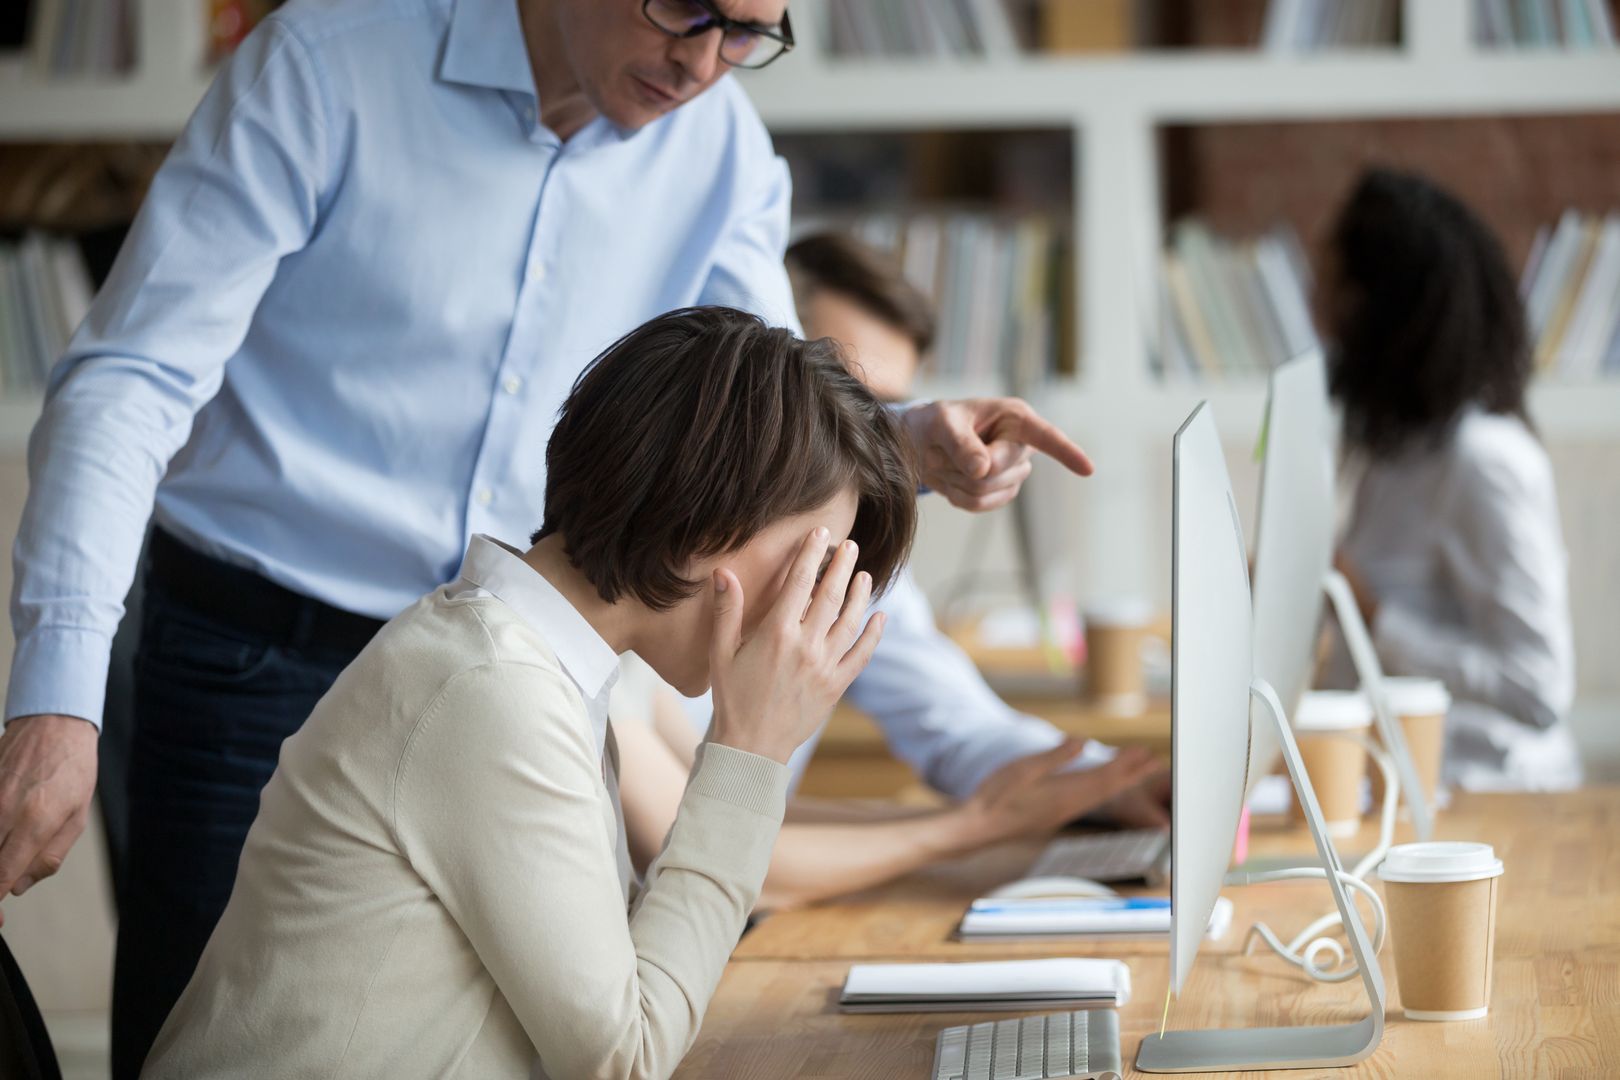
742	44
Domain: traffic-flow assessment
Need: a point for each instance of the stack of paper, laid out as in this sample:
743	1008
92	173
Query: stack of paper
1024	985
1080	917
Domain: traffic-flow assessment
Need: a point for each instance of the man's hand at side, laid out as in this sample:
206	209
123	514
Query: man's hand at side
47	776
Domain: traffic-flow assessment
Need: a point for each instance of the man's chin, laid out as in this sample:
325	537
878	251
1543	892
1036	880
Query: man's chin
632	116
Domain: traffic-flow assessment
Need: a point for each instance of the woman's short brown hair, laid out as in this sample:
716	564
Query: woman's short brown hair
702	427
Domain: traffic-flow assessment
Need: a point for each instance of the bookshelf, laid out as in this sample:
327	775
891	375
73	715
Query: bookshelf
1113	106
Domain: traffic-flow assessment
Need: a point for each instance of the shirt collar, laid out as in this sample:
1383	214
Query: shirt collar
501	571
486	47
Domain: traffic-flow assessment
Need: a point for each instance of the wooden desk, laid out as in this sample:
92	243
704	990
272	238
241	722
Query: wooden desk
1555	1007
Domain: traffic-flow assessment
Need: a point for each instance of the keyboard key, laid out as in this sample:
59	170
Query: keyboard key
1046	1047
1005	1061
952	1054
1057	1045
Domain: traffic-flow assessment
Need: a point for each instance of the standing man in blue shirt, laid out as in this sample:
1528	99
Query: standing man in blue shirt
331	351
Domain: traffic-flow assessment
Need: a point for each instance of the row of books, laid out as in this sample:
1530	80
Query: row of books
997	283
932	28
45	290
979	28
1306	25
89	38
1230	308
1571	288
1570	24
78	38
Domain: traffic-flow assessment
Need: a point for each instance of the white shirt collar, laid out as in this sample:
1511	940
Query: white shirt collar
589	661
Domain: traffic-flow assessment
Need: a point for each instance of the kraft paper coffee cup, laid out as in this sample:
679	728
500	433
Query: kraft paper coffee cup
1327	726
1420	707
1115	631
1441	899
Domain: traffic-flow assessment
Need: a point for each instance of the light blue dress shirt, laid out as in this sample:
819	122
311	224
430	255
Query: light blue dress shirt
336	340
361	286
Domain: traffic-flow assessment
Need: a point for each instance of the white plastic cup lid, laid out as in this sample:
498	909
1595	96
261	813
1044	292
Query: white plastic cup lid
1440	860
1119	612
1417	697
1333	710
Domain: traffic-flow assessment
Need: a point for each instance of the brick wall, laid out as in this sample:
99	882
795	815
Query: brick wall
1518	173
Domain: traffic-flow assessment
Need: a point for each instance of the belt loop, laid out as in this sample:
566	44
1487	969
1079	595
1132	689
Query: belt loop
303	627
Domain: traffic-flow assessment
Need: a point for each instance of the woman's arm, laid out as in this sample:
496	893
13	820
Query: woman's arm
499	807
1504	563
820	860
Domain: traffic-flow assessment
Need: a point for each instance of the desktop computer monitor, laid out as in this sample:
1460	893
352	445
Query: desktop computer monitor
1293	544
1293	571
1211	657
1212	683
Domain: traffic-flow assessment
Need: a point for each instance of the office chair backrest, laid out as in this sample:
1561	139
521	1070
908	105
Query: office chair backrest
25	1047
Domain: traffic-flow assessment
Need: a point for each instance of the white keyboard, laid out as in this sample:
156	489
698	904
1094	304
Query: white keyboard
1112	856
1081	1044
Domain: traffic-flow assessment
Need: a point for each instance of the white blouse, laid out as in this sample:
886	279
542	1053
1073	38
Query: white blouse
1461	545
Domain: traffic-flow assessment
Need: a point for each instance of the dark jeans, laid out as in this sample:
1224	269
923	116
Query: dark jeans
117	733
212	705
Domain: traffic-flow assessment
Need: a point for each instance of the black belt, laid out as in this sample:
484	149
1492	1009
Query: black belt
255	605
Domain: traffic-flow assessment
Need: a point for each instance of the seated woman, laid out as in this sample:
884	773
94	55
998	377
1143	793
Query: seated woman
437	883
1453	547
857	296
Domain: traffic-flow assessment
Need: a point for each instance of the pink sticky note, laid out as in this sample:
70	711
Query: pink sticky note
1240	850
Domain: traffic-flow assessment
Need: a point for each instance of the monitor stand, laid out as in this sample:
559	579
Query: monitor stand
1319	1046
1393	736
1371	674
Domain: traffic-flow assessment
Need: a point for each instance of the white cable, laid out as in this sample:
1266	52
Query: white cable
1306	959
1305	948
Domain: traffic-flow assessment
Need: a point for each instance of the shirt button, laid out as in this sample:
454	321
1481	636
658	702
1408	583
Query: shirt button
485	497
537	271
512	384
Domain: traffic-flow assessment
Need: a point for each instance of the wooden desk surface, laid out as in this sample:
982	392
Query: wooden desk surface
1555	1006
851	732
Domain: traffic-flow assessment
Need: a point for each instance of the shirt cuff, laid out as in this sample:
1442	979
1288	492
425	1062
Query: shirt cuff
898	410
745	780
62	671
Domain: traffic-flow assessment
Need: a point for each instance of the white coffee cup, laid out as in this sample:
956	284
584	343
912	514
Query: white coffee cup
1329	726
1420	707
1441	897
1115	632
